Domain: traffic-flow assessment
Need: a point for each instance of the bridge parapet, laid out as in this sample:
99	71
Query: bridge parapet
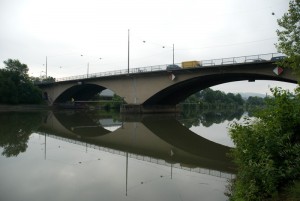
205	63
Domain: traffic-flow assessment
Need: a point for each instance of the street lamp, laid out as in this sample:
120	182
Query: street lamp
128	50
46	67
87	73
88	65
173	53
87	69
164	47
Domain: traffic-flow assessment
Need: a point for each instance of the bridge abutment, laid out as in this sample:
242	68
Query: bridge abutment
135	108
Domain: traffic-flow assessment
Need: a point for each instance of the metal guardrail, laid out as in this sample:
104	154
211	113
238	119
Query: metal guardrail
205	63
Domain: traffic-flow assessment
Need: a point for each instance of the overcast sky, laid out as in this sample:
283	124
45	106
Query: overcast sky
63	30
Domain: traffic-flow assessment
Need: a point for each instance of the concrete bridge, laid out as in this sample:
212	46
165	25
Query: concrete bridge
155	89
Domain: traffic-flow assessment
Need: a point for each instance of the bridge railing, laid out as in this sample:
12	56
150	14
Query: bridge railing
240	60
201	170
205	63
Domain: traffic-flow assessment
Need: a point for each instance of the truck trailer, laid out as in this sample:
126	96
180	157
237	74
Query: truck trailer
190	64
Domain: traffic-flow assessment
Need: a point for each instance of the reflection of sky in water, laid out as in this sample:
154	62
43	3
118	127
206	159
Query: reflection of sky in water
68	171
111	128
110	124
217	132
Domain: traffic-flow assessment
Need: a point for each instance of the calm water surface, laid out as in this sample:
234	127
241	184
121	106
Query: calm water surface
77	155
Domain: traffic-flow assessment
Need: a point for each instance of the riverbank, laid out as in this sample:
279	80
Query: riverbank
16	108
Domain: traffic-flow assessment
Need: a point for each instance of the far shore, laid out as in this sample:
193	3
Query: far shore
15	108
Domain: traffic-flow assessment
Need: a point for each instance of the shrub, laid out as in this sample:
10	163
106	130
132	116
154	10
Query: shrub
267	150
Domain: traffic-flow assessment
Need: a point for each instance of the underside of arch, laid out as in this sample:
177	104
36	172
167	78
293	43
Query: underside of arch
180	91
79	93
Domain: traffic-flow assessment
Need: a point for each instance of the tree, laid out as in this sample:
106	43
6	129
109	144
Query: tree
15	85
16	66
254	101
289	36
219	97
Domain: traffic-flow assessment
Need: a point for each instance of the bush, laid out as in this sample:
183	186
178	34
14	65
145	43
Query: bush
267	150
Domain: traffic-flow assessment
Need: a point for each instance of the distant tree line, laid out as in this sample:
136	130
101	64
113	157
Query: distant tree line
209	98
16	87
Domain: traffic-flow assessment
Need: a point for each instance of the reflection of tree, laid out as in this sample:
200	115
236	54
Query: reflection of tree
209	117
15	131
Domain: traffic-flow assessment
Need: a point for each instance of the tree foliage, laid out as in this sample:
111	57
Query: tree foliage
289	35
16	66
215	97
255	101
15	85
268	150
210	97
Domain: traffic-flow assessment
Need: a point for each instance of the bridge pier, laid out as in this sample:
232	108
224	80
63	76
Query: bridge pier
142	109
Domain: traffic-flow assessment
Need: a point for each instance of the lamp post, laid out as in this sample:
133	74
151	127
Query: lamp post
173	54
87	72
164	47
88	64
128	50
46	67
87	68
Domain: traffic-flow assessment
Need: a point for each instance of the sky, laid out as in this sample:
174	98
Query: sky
78	36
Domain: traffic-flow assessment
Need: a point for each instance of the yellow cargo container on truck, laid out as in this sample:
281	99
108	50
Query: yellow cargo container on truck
190	64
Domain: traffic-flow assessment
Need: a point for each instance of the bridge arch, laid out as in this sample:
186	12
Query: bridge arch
79	93
178	92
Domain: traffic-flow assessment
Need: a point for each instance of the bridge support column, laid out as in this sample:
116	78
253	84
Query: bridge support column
134	108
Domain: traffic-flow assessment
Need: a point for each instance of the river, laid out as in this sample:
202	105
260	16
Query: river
99	155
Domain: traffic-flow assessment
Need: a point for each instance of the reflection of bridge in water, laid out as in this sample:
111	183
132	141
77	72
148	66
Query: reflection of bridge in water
163	141
200	170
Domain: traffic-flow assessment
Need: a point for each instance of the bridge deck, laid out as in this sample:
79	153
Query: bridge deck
205	63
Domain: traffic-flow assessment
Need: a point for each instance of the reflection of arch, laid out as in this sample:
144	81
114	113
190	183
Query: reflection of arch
171	131
79	92
80	124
